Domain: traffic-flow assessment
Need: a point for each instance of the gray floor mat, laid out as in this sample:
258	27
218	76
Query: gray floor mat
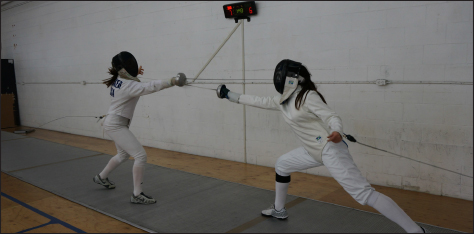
319	217
30	152
185	202
6	136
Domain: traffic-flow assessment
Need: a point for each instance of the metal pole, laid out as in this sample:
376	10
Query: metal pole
243	92
230	34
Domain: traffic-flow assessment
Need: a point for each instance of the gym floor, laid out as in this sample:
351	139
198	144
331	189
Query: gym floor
26	208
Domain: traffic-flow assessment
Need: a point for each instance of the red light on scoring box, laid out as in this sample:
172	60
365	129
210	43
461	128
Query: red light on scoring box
240	9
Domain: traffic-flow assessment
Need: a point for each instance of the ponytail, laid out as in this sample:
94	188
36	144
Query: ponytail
112	79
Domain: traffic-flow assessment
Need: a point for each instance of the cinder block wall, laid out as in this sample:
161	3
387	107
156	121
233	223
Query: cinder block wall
338	41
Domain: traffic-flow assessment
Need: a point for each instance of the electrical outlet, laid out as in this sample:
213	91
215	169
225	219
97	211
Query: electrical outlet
381	82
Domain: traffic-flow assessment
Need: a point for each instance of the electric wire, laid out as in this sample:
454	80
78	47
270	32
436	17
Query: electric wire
200	87
232	79
352	139
269	81
99	117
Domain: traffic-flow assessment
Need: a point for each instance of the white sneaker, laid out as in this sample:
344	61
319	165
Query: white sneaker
281	214
142	199
104	182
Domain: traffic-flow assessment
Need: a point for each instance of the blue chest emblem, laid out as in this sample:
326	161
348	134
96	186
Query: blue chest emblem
319	139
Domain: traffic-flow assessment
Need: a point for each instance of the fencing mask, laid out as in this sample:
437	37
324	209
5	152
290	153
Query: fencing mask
286	78
125	60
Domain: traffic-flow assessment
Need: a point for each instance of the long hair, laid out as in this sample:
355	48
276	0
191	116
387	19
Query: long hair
112	79
307	85
116	66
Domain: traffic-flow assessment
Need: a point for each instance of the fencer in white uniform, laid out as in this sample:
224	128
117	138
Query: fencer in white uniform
125	91
320	130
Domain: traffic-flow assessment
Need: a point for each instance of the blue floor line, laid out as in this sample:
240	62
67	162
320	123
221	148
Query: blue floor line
53	219
42	225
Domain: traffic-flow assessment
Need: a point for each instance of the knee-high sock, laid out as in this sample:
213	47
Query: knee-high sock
392	211
281	189
113	163
137	179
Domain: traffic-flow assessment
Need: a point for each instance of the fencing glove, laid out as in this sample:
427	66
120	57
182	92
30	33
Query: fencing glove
224	92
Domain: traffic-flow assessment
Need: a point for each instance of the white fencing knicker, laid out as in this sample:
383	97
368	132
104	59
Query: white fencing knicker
116	127
338	161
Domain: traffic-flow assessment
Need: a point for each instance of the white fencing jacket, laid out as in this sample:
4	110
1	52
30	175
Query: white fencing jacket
312	123
124	95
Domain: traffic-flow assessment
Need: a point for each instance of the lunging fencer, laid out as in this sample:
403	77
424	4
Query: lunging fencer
125	90
320	130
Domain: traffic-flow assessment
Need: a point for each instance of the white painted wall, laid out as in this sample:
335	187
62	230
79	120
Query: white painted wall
338	41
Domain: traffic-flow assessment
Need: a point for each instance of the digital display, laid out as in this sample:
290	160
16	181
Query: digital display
240	9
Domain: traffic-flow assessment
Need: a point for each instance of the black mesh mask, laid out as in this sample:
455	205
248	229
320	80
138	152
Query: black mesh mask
125	60
283	69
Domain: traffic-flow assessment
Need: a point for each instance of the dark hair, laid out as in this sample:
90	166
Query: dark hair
112	79
122	60
307	85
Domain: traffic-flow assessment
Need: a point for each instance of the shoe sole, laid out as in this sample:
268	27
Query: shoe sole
274	216
143	203
107	186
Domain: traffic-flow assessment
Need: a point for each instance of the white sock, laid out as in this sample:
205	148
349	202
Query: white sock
137	179
113	163
392	211
281	189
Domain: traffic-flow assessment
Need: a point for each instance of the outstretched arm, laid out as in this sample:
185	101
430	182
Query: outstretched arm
143	88
271	102
140	89
251	100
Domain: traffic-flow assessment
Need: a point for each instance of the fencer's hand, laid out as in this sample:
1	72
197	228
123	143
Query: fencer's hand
335	137
222	91
140	70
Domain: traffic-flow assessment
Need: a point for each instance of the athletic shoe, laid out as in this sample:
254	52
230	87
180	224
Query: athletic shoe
424	230
104	182
281	214
142	199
